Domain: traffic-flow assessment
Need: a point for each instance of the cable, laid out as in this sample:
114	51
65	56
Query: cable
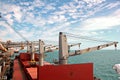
85	37
13	29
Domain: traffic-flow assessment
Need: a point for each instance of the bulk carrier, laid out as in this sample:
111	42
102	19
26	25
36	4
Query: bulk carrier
31	65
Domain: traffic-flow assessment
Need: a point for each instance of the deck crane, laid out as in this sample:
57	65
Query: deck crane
51	48
64	53
69	46
77	52
74	45
2	47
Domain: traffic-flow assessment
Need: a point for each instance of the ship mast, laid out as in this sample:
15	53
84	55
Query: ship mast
41	52
63	49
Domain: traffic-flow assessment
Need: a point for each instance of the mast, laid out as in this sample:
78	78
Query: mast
32	52
63	49
41	52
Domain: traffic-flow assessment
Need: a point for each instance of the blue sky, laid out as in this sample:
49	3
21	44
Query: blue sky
44	19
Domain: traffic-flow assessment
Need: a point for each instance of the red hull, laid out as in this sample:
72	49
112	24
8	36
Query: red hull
66	72
51	72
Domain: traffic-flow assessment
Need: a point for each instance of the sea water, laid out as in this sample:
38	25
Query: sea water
103	60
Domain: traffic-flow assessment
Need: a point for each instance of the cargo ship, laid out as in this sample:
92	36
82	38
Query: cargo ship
32	66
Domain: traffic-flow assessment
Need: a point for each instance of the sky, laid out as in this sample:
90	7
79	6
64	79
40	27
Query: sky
44	19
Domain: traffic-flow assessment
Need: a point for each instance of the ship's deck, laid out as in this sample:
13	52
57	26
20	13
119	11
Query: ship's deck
32	71
18	72
23	70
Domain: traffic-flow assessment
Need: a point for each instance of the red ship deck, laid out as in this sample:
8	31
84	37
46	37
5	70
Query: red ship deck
32	71
18	72
24	71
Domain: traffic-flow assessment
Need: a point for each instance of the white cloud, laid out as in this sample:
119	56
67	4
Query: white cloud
78	9
8	33
24	3
53	32
17	12
50	7
68	8
32	19
38	3
116	13
3	33
99	23
9	8
59	27
56	19
94	1
59	12
74	11
8	29
113	5
8	19
26	34
90	3
58	16
94	33
65	7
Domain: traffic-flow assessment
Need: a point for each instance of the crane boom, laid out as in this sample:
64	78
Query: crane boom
74	44
51	48
78	52
2	47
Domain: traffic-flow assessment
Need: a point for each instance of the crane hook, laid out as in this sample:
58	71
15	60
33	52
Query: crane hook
0	15
115	46
79	46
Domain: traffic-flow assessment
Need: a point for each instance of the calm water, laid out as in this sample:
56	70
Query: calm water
103	61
